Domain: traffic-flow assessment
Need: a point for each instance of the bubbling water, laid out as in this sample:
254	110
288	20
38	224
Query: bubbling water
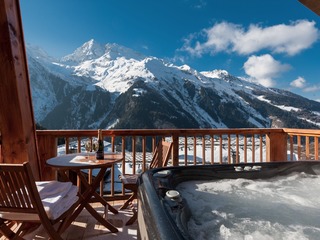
276	208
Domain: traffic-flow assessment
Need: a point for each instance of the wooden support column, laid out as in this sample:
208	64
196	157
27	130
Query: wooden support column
17	126
47	148
276	145
313	5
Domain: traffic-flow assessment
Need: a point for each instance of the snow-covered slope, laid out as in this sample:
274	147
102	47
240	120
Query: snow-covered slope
113	86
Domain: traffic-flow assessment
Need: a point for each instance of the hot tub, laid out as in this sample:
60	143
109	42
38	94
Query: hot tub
164	213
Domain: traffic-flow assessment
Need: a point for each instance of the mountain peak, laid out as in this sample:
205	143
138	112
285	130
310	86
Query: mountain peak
93	50
88	51
114	51
222	74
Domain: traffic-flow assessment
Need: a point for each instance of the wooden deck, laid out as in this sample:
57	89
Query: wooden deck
86	227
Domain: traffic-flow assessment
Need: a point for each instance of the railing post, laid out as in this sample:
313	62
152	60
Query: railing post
175	150
276	147
47	148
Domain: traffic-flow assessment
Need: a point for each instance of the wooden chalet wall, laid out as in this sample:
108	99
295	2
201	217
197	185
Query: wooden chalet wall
17	125
313	5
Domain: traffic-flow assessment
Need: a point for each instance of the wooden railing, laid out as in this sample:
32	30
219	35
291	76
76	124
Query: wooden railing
190	146
303	144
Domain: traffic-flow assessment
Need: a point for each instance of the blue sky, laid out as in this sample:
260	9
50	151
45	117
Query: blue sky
271	42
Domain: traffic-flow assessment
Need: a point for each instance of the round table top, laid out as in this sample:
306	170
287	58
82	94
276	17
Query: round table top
84	160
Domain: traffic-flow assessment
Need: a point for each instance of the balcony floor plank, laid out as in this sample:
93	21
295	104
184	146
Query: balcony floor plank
85	227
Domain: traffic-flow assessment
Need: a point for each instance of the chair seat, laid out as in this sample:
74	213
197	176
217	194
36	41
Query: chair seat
128	179
57	197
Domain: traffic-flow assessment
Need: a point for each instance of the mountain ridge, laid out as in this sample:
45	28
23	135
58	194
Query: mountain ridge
111	86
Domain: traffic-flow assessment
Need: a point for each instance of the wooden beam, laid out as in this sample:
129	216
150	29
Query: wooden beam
276	146
313	5
47	148
17	124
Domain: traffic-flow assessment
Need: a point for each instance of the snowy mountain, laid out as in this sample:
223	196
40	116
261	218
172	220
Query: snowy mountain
111	86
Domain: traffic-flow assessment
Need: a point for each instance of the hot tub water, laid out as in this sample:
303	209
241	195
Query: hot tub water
276	208
276	200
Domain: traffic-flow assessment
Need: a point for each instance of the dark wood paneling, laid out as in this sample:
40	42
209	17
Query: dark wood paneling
16	112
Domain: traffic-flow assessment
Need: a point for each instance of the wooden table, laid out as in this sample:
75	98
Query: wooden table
79	162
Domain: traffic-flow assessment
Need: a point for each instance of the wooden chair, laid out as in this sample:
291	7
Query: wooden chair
160	158
25	201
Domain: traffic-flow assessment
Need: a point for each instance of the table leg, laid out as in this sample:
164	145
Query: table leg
91	192
103	221
104	202
84	199
94	193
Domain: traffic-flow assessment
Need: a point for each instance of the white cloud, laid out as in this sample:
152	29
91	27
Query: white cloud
300	82
263	69
313	88
200	4
228	37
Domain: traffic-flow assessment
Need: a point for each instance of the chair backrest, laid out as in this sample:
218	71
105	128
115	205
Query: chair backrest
161	154
18	191
20	200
